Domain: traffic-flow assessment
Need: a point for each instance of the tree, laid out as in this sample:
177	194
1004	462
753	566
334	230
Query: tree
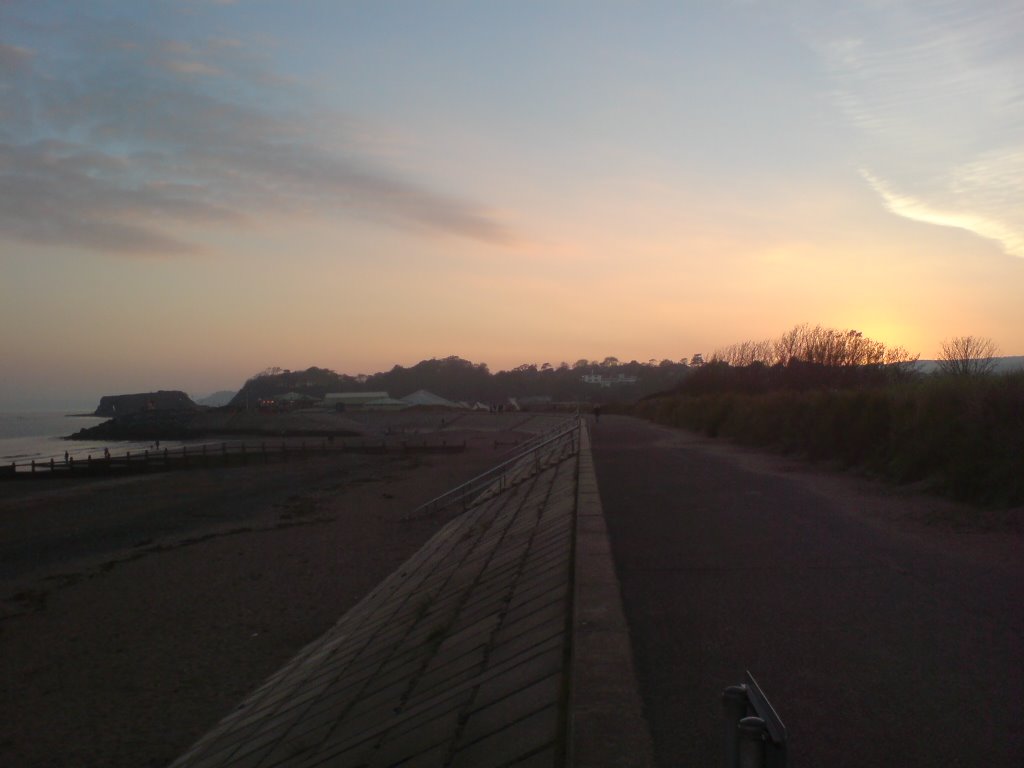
271	371
967	356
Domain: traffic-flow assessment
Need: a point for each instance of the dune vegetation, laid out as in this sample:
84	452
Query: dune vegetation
959	431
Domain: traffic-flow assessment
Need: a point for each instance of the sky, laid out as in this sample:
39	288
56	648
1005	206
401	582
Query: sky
192	191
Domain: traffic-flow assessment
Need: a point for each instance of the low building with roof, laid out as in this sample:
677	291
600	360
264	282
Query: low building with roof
343	401
385	404
422	397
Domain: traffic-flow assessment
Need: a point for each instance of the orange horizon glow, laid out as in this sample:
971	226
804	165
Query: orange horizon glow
627	182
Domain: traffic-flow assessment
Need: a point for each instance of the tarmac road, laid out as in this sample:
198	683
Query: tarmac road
876	647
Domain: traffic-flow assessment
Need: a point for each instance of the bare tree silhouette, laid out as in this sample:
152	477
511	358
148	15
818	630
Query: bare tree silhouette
823	346
967	356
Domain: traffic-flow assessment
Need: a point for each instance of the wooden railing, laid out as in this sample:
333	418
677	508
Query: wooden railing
214	454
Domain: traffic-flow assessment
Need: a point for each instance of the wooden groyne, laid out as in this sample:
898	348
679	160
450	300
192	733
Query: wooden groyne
212	455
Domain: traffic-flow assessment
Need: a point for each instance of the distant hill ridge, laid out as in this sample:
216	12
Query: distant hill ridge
456	379
1000	364
452	378
217	399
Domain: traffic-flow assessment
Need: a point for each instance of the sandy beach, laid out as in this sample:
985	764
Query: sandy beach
136	612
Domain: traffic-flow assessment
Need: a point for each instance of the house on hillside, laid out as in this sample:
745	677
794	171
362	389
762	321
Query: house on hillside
607	382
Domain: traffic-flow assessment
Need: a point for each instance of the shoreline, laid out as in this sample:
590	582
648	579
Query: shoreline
155	643
136	611
191	590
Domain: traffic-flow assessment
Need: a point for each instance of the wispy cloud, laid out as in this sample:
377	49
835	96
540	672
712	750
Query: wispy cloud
58	193
920	210
191	67
144	136
936	93
13	57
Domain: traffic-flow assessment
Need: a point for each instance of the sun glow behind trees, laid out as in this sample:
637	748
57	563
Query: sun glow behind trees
822	346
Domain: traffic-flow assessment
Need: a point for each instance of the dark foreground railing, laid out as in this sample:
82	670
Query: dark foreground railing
754	734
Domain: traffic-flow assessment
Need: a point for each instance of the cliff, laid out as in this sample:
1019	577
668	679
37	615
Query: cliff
123	405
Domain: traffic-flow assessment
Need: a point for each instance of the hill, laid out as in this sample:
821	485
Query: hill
1002	364
458	380
217	399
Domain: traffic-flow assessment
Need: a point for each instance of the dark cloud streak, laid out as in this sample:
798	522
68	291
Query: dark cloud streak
112	155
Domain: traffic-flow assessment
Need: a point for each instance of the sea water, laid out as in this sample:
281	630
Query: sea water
27	437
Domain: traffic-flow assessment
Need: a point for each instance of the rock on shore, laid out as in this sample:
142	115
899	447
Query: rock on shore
124	405
143	425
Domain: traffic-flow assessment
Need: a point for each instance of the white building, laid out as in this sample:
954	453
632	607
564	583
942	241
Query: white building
607	382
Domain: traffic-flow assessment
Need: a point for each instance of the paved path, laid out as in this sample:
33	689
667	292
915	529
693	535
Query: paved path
877	649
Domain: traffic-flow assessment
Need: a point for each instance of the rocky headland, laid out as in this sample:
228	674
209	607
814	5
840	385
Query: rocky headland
144	402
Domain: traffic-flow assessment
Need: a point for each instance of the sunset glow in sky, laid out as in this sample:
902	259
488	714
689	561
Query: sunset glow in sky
194	190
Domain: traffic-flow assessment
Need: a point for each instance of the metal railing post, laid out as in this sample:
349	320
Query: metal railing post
734	708
752	733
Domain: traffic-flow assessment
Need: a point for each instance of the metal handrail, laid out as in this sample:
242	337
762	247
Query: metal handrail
755	736
562	426
485	479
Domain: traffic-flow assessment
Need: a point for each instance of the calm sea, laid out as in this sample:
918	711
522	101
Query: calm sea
38	436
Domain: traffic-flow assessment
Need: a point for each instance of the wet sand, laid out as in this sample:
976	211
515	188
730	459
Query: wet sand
136	612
